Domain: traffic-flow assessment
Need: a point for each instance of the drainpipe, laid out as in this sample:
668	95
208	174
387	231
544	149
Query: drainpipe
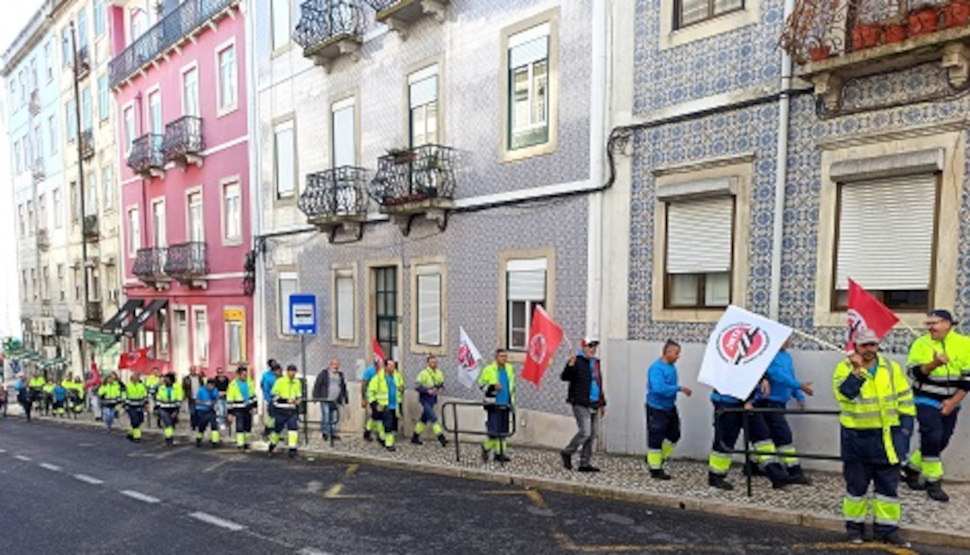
781	172
597	121
255	196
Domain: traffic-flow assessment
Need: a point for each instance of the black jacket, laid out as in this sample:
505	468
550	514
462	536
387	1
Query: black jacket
580	378
321	387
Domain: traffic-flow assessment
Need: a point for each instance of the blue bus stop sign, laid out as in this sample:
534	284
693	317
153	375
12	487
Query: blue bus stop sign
303	314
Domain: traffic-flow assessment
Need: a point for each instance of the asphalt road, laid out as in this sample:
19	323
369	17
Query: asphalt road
79	490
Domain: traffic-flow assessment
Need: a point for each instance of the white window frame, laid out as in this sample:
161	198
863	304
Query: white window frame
415	78
130	127
150	123
278	24
159	240
107	182
228	238
424	272
338	273
196	351
671	37
190	194
133	225
228	326
700	269
283	328
524	265
342	106
56	207
282	127
223	107
532	125
104	99
188	103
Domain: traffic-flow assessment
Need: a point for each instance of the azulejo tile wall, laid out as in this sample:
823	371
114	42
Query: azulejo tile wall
662	79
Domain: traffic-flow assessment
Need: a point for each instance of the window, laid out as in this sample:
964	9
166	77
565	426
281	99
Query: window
525	290
159	234
139	23
33	283
31	222
232	212
529	87
107	181
698	257
344	309
66	55
689	12
134	232
52	132
49	60
75	203
22	219
235	323
24	289
228	81
429	304
190	92
86	109
343	133
104	105
61	287
82	29
98	17
17	157
893	263
155	124
280	14
94	281
45	283
71	120
161	333
385	280
57	207
285	159
200	336
38	146
42	211
196	222
287	285
91	201
129	116
77	283
423	100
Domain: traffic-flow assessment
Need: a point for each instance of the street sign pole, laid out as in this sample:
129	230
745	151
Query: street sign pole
303	321
306	414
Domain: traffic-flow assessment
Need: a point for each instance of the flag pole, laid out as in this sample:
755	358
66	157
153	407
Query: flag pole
822	342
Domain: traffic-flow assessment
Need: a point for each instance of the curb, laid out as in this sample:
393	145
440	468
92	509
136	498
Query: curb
786	517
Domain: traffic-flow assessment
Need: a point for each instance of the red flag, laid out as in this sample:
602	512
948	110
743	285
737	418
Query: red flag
544	338
866	312
379	356
133	359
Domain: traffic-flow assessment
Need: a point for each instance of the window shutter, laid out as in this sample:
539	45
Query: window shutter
424	91
529	46
429	309
345	307
886	233
527	280
700	235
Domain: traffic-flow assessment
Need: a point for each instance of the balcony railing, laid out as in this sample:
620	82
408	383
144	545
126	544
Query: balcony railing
43	239
837	40
329	29
37	170
183	141
87	144
187	261
34	102
178	24
146	158
93	313
335	198
417	174
150	264
400	14
83	61
90	227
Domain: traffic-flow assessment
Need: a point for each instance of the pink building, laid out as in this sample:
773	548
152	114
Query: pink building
178	77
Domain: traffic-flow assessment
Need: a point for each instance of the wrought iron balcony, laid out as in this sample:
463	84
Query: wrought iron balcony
834	41
43	239
187	262
34	102
82	62
146	158
417	180
401	14
87	144
335	198
183	141
90	228
37	170
149	265
182	23
93	313
329	29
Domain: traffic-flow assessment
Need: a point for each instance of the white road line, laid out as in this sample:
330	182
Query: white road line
22	458
3	450
311	551
140	496
216	521
87	479
51	467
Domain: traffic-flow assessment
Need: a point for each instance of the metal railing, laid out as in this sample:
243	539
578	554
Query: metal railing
183	137
457	431
150	263
323	21
336	192
93	313
415	174
187	260
37	170
83	61
178	23
43	239
90	227
745	428
146	153
87	144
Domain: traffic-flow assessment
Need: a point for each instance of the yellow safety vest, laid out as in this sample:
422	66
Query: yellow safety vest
881	400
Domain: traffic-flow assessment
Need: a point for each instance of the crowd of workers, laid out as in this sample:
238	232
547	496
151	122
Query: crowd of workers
880	405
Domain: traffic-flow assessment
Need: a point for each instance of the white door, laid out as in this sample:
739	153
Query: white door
180	347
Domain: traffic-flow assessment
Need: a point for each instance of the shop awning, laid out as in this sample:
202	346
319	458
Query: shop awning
100	339
144	316
115	325
52	362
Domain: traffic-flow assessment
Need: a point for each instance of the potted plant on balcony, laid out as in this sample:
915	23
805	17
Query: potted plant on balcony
819	52
922	20
956	13
894	31
401	155
865	35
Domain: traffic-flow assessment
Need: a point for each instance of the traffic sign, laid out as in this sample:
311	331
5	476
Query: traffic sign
303	314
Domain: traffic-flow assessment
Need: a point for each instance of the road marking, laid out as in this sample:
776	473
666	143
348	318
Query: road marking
22	458
845	546
51	467
223	462
87	479
311	551
140	496
3	450
171	452
216	521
